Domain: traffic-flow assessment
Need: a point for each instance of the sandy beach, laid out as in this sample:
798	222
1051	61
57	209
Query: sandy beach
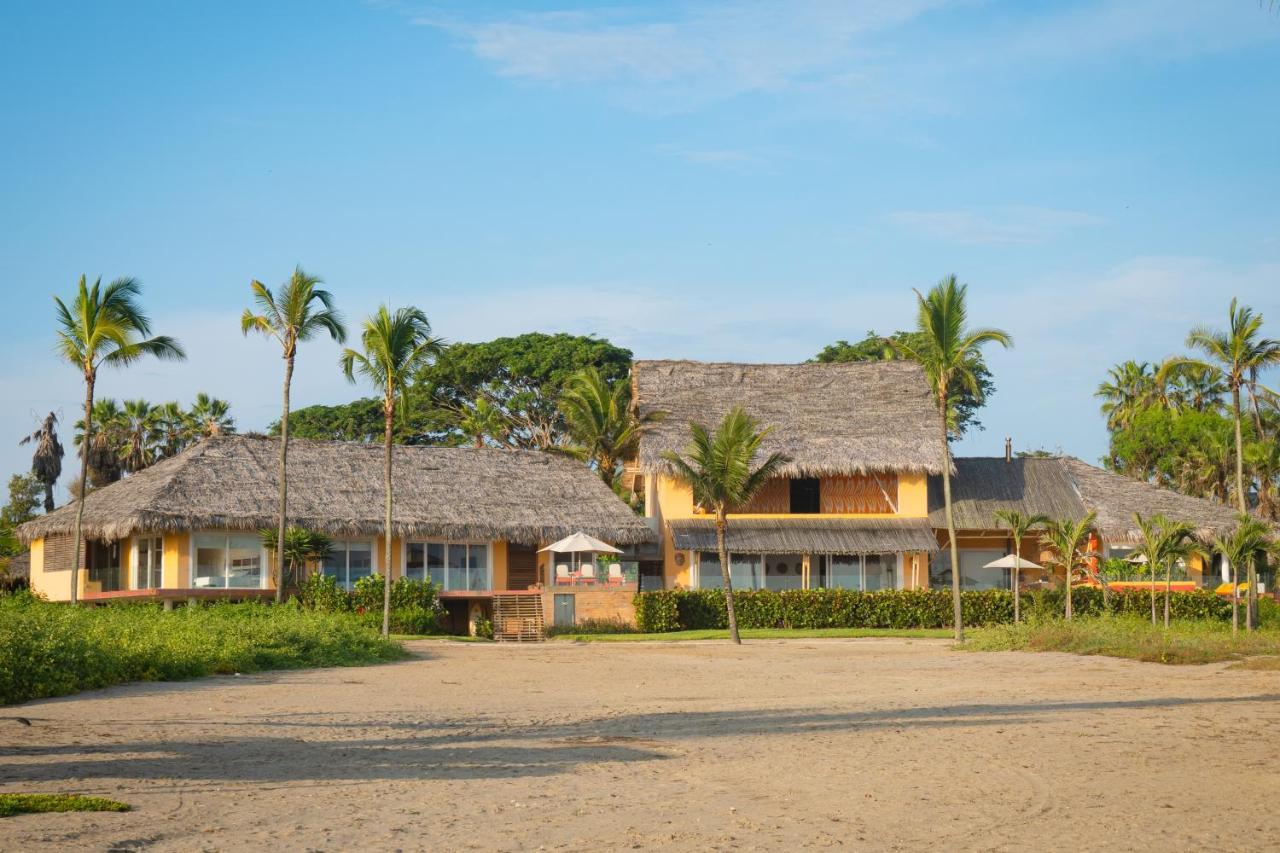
864	744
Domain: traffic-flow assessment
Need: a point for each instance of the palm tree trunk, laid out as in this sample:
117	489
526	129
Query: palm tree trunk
389	416
85	440
1168	588
284	482
956	613
1151	567
1235	598
1251	596
722	523
1070	563
1017	570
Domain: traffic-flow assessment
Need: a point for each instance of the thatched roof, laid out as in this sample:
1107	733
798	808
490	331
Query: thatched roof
1065	487
831	419
808	536
229	482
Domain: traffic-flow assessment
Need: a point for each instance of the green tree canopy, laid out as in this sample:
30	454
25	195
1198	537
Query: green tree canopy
874	347
504	392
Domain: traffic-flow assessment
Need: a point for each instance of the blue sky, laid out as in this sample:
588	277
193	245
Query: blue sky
698	180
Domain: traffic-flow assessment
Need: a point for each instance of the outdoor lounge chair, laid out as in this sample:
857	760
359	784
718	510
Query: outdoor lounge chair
588	574
615	574
564	577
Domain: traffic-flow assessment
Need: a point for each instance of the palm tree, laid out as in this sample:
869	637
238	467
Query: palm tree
718	469
299	312
1263	458
1236	356
395	347
173	426
1129	388
301	547
210	416
1068	539
602	423
46	461
103	449
945	349
138	435
103	326
1019	526
1240	546
1151	548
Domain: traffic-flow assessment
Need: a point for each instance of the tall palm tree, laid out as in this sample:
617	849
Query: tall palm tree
395	347
719	470
1240	546
945	350
138	435
1069	541
103	326
1237	355
210	416
1019	526
603	426
300	311
46	461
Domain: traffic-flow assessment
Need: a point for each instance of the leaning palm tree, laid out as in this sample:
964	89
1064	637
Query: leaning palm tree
1019	526
1240	546
395	347
299	312
46	461
945	350
603	426
718	468
1069	541
209	417
1236	356
103	325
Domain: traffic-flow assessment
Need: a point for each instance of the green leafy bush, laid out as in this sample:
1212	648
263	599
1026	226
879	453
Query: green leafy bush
405	594
484	628
593	626
407	620
321	592
50	649
683	610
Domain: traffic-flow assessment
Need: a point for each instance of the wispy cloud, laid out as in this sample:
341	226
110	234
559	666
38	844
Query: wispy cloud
1018	225
738	159
723	49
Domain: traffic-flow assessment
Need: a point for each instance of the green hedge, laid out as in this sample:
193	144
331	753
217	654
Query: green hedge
51	649
683	610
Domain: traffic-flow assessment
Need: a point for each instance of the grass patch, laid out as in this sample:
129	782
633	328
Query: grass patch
762	634
12	804
1133	638
49	649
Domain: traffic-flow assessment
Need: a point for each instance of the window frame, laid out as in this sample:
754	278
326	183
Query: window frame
468	544
155	546
264	573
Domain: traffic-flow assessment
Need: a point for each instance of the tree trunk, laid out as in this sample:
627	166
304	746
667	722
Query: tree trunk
389	412
1168	588
1235	598
1070	563
89	379
956	614
1017	570
284	481
721	524
1151	568
1251	595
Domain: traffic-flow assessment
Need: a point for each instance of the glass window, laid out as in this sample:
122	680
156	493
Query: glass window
211	560
745	570
228	561
784	571
457	566
349	561
435	563
709	570
150	568
973	575
448	565
844	571
478	567
415	561
878	571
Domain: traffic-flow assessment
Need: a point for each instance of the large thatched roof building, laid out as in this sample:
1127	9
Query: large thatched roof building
231	483
1065	487
831	419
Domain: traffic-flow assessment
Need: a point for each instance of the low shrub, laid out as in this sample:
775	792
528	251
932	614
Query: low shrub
50	649
12	804
484	628
406	620
684	610
593	626
321	592
405	593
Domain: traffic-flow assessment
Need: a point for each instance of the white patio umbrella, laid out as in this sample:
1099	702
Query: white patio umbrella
580	543
1136	559
1011	561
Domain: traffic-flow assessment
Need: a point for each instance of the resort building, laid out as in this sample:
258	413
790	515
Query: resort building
469	519
858	506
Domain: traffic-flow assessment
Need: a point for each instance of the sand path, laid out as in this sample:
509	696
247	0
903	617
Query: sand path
868	744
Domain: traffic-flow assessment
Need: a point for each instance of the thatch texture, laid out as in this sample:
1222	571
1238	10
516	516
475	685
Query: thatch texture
1065	487
229	482
831	419
808	536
